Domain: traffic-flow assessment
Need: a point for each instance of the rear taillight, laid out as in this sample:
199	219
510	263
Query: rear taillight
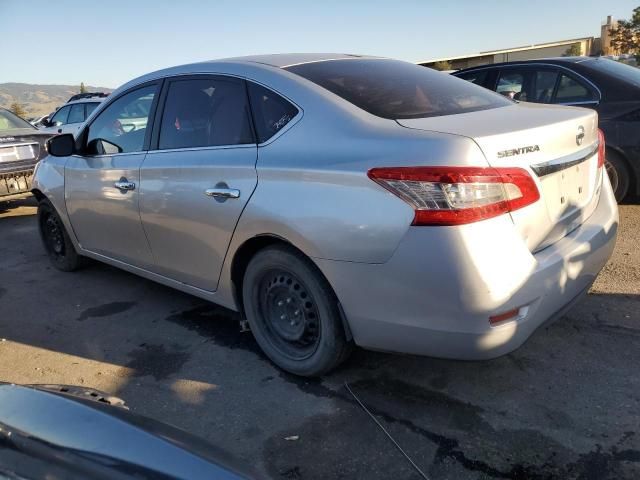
458	195
601	148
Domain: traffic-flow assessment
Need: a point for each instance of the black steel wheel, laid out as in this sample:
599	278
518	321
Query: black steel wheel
290	313
55	239
293	312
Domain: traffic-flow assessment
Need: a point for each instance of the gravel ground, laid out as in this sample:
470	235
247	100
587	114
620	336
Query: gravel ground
565	405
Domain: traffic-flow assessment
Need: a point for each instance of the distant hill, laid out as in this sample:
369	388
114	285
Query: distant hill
40	99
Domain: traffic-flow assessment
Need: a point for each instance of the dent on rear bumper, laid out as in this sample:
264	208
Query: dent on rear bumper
435	295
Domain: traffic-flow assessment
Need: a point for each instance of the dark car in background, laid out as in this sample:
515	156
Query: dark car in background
611	88
55	432
21	147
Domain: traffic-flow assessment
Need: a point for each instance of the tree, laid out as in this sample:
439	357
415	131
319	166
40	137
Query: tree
443	65
573	51
83	89
626	36
18	109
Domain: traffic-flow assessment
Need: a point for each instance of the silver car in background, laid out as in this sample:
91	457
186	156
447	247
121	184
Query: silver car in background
338	200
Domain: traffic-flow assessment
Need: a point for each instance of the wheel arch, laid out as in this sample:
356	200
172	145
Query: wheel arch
247	250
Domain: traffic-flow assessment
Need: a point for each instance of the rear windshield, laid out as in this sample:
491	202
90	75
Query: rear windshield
9	121
398	90
617	69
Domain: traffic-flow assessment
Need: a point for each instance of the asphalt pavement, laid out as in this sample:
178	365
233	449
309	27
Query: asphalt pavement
565	405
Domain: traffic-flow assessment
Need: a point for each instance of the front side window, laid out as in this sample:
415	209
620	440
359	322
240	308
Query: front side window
271	112
205	112
76	114
398	90
60	117
571	91
122	126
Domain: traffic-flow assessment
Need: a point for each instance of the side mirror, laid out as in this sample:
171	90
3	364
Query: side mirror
61	145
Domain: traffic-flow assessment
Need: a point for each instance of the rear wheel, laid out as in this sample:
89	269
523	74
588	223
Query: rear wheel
293	312
56	241
619	174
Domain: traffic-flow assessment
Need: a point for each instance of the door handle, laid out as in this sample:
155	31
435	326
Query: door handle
124	185
222	192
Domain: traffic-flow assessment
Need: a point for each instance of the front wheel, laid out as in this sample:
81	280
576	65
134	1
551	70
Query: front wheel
55	239
293	312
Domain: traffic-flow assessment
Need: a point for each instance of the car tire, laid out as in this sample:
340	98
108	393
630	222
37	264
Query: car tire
55	239
619	174
293	312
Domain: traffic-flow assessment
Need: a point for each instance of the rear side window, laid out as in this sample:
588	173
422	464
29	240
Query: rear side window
397	90
570	91
89	108
205	112
545	83
76	114
511	84
271	112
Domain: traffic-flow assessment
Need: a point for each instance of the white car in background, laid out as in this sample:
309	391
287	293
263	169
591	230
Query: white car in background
71	116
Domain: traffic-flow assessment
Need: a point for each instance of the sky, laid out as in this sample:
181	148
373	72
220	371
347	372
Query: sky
110	42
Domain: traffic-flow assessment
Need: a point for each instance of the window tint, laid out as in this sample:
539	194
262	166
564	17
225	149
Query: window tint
205	112
89	108
570	91
123	124
511	85
479	77
61	116
394	89
545	83
76	114
271	112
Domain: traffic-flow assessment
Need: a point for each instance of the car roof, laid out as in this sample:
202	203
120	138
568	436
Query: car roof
552	60
283	60
87	100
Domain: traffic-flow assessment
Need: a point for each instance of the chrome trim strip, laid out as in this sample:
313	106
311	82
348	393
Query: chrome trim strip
568	161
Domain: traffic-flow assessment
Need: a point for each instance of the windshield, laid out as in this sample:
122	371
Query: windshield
10	121
398	90
617	69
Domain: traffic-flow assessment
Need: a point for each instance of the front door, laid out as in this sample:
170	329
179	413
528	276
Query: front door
197	177
102	184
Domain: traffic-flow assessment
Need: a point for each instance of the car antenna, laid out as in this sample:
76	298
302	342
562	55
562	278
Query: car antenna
397	445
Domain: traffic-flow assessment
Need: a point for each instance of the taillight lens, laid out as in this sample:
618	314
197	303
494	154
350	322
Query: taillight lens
458	195
601	148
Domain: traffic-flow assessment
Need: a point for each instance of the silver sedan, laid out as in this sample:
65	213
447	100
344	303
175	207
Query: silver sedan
338	200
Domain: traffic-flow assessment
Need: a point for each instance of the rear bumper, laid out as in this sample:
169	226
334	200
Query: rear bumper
435	295
15	182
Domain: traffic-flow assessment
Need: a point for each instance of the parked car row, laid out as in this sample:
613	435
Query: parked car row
338	200
21	147
609	87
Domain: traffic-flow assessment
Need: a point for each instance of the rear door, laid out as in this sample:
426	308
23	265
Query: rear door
198	176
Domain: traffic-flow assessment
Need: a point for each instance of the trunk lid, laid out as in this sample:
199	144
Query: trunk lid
556	145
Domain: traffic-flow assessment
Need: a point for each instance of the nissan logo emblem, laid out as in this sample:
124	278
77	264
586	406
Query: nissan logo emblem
580	135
